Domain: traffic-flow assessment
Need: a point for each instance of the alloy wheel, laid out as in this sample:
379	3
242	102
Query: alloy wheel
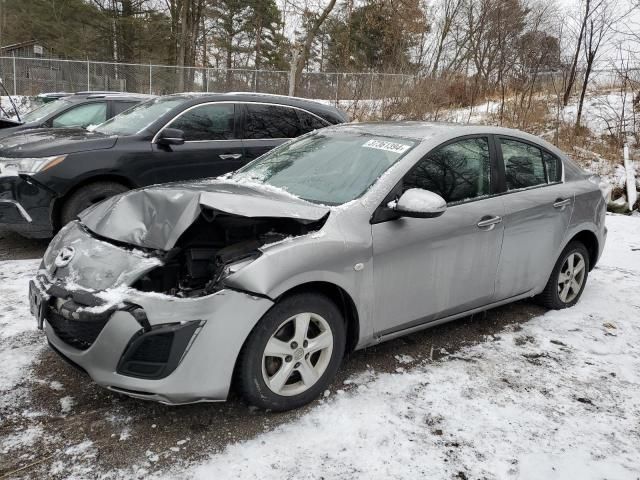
571	277
297	354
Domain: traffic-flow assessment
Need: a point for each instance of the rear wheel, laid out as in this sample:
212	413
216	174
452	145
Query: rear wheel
293	353
86	196
568	278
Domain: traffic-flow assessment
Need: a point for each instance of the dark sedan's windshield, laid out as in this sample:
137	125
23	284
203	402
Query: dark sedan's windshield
328	168
44	111
139	117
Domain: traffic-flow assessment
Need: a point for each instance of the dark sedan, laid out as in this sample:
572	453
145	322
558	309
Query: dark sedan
79	110
48	176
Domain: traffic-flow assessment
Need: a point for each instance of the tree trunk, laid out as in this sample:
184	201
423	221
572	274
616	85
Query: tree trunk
298	61
574	65
585	83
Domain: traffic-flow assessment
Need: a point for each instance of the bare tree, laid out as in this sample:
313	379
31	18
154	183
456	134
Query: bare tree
574	64
448	16
599	25
300	49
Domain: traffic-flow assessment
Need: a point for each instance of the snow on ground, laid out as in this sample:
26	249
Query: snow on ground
603	112
20	342
23	103
557	398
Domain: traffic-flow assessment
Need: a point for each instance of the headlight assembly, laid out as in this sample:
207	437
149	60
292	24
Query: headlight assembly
14	166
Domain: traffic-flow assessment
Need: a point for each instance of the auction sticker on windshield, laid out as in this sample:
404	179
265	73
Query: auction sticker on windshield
388	146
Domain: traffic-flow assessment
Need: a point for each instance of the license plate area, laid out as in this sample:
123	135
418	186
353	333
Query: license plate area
37	305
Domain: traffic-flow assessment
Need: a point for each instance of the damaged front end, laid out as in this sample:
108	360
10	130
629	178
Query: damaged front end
127	306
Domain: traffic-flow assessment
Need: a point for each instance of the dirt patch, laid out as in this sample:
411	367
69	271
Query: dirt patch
15	247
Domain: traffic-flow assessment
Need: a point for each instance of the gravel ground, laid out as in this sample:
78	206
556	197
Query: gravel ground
15	247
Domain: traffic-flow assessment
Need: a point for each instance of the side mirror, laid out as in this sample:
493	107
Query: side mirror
419	203
170	136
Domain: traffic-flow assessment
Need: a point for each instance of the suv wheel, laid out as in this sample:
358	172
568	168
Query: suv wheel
568	278
86	196
293	353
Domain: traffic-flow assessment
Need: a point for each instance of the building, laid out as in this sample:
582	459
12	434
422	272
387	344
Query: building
29	49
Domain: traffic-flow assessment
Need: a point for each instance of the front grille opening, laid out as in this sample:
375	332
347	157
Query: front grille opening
79	334
155	353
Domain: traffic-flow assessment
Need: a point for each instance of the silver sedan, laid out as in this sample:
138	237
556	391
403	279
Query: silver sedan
346	237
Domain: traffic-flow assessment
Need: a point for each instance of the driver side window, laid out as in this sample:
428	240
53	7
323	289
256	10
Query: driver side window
207	122
457	172
82	116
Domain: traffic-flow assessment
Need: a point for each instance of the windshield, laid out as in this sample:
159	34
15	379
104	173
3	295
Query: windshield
327	168
139	117
44	111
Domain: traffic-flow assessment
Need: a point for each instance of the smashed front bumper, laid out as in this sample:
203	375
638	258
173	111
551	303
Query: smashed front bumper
25	206
150	346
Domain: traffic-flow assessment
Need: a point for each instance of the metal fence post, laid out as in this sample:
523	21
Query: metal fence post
371	87
337	87
255	80
632	195
88	77
150	81
15	82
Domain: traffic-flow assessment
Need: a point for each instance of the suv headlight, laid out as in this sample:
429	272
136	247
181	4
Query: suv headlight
14	166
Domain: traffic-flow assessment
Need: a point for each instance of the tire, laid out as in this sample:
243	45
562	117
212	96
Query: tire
295	374
86	196
563	290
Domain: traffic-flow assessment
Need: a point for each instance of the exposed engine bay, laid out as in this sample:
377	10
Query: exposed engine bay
200	260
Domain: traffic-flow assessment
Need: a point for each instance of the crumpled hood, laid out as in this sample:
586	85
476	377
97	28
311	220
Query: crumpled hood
156	217
45	142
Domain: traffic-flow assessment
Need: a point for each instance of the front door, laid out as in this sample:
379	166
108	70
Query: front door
538	207
428	268
211	148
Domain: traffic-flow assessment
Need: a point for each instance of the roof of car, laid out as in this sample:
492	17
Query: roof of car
442	131
83	96
306	104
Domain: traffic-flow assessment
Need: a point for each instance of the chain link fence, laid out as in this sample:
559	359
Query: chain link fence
31	76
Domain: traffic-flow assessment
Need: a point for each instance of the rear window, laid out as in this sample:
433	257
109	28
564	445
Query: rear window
309	122
271	121
523	164
119	107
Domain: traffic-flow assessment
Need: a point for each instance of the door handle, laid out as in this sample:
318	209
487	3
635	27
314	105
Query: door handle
488	222
230	156
561	202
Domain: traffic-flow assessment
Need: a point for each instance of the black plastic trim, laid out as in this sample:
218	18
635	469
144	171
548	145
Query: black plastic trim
182	334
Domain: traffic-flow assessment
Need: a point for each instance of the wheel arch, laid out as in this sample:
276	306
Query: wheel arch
56	208
590	241
343	301
337	294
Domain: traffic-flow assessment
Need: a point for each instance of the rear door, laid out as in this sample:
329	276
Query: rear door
266	126
211	146
538	207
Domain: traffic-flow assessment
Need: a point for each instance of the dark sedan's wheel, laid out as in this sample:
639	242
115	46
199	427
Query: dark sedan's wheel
568	278
293	353
86	196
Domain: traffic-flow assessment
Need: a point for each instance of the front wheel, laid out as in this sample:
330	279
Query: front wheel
86	196
293	353
568	278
